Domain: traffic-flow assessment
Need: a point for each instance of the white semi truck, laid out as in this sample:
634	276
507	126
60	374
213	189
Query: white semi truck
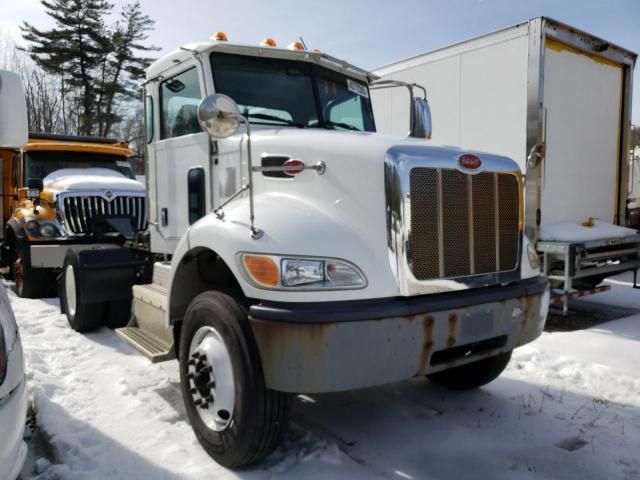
295	250
540	83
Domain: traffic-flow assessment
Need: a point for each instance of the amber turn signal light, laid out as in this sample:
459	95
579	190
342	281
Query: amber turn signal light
263	270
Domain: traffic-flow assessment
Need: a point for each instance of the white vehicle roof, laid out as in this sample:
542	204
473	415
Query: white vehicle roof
187	51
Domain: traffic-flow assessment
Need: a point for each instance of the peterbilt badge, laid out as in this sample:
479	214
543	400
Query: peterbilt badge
469	161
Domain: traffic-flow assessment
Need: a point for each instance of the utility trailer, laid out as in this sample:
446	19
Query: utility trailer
539	85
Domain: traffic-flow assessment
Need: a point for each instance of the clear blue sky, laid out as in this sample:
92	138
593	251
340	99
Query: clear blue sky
367	33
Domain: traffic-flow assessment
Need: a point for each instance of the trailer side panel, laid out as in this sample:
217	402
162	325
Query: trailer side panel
478	97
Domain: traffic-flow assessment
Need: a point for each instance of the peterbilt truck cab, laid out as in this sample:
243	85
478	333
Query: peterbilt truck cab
295	250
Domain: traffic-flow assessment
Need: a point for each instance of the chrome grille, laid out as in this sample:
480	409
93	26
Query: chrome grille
78	212
462	224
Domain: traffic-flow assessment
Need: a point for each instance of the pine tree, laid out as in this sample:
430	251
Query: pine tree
73	49
98	66
125	66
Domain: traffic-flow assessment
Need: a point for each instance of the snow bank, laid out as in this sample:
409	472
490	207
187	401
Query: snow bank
567	407
574	232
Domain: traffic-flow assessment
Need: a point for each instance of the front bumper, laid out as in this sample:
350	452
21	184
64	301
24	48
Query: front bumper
52	255
13	450
326	347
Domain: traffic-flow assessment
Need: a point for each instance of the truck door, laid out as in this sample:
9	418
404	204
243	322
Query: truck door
181	155
582	100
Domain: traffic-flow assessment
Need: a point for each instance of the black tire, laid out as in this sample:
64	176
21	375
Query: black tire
118	314
82	317
472	375
259	415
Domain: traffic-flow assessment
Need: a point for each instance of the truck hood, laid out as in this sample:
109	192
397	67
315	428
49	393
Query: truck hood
89	180
368	147
354	208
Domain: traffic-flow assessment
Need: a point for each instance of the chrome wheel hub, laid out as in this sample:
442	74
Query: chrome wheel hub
70	290
210	377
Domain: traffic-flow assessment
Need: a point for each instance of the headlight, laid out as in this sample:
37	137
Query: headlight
46	229
534	259
279	272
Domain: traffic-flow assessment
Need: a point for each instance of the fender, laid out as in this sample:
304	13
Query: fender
314	232
16	226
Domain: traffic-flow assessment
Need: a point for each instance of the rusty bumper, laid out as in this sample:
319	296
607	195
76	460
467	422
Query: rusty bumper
327	347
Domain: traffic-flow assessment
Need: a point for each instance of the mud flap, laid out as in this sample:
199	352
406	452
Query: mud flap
105	274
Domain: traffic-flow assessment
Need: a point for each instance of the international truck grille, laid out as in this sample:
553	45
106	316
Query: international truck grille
79	212
462	224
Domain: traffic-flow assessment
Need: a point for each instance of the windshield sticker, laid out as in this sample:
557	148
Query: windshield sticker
123	164
357	88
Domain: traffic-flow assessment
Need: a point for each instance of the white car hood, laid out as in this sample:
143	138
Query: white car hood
89	179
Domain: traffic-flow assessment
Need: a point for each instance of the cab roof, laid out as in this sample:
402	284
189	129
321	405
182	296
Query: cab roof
155	70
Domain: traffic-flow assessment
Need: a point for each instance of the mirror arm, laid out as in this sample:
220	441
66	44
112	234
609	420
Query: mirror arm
218	211
382	84
256	233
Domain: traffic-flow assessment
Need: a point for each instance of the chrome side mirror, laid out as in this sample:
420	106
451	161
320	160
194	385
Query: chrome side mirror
219	115
420	118
13	111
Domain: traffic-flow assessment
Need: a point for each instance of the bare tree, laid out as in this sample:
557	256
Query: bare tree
42	89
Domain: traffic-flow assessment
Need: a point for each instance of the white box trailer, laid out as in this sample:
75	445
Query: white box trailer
540	81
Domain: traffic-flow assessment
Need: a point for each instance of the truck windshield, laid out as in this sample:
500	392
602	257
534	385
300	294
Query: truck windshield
272	91
39	164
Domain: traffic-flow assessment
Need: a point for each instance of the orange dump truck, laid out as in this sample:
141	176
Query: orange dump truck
60	192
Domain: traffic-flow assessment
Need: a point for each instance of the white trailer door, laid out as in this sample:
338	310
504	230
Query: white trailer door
582	99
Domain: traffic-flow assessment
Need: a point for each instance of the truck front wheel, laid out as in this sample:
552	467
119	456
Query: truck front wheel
472	375
235	417
30	282
82	317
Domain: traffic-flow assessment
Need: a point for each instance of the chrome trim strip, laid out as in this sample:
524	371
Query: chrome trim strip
440	225
496	200
472	256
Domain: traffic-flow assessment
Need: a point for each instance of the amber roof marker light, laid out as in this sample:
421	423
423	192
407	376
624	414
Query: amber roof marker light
219	37
268	42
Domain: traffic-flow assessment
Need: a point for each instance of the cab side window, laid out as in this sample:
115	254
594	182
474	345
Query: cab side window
180	96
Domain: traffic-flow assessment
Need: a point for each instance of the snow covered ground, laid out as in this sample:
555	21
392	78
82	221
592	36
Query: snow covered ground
567	407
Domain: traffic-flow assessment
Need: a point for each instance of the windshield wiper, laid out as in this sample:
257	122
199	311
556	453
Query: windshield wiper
346	126
274	118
